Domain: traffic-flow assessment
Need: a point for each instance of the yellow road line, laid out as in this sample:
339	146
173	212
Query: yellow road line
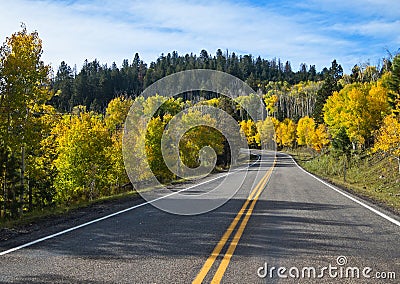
215	253
228	255
211	259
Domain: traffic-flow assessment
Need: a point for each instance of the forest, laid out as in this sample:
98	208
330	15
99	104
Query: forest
61	131
95	84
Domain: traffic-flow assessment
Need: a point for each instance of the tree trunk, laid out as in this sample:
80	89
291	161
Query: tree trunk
22	179
4	211
30	196
398	162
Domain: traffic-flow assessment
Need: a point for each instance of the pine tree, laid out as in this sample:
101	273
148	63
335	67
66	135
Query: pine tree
394	85
330	85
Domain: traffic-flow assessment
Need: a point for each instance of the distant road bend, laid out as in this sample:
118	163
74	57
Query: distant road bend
280	217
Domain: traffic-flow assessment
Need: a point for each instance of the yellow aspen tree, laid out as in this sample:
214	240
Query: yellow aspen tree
116	112
24	91
249	129
82	162
265	136
155	130
275	122
200	132
320	138
359	108
270	104
288	132
388	137
305	131
250	103
279	130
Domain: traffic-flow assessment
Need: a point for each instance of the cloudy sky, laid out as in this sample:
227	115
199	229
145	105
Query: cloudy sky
310	31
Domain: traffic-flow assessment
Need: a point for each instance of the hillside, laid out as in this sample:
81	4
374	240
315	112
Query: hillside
374	177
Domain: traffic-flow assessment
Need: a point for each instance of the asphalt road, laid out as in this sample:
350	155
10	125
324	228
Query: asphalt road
281	224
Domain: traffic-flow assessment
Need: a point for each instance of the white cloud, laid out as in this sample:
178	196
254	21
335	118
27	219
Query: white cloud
115	30
358	8
377	29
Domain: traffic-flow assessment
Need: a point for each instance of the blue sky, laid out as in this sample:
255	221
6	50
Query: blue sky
310	31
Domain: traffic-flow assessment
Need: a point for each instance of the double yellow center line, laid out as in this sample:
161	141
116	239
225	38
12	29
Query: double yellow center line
252	200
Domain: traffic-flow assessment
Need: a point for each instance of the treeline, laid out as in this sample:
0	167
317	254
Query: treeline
94	85
300	93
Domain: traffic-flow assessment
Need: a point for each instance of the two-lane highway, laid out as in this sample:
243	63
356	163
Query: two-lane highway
281	217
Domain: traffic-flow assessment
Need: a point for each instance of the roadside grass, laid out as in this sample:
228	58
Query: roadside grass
374	177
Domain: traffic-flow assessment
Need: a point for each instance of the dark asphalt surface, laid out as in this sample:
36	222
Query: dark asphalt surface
297	222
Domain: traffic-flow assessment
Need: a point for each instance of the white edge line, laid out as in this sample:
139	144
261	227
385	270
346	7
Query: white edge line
388	218
119	212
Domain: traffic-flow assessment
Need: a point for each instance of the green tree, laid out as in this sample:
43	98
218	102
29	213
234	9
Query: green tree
394	85
40	162
341	142
10	176
330	85
64	83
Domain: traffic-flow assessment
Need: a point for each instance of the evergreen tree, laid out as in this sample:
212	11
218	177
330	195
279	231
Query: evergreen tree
394	85
64	81
330	85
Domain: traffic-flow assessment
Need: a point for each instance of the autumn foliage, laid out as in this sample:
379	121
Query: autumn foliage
49	158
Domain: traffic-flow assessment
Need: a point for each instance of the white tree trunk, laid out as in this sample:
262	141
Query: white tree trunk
398	162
